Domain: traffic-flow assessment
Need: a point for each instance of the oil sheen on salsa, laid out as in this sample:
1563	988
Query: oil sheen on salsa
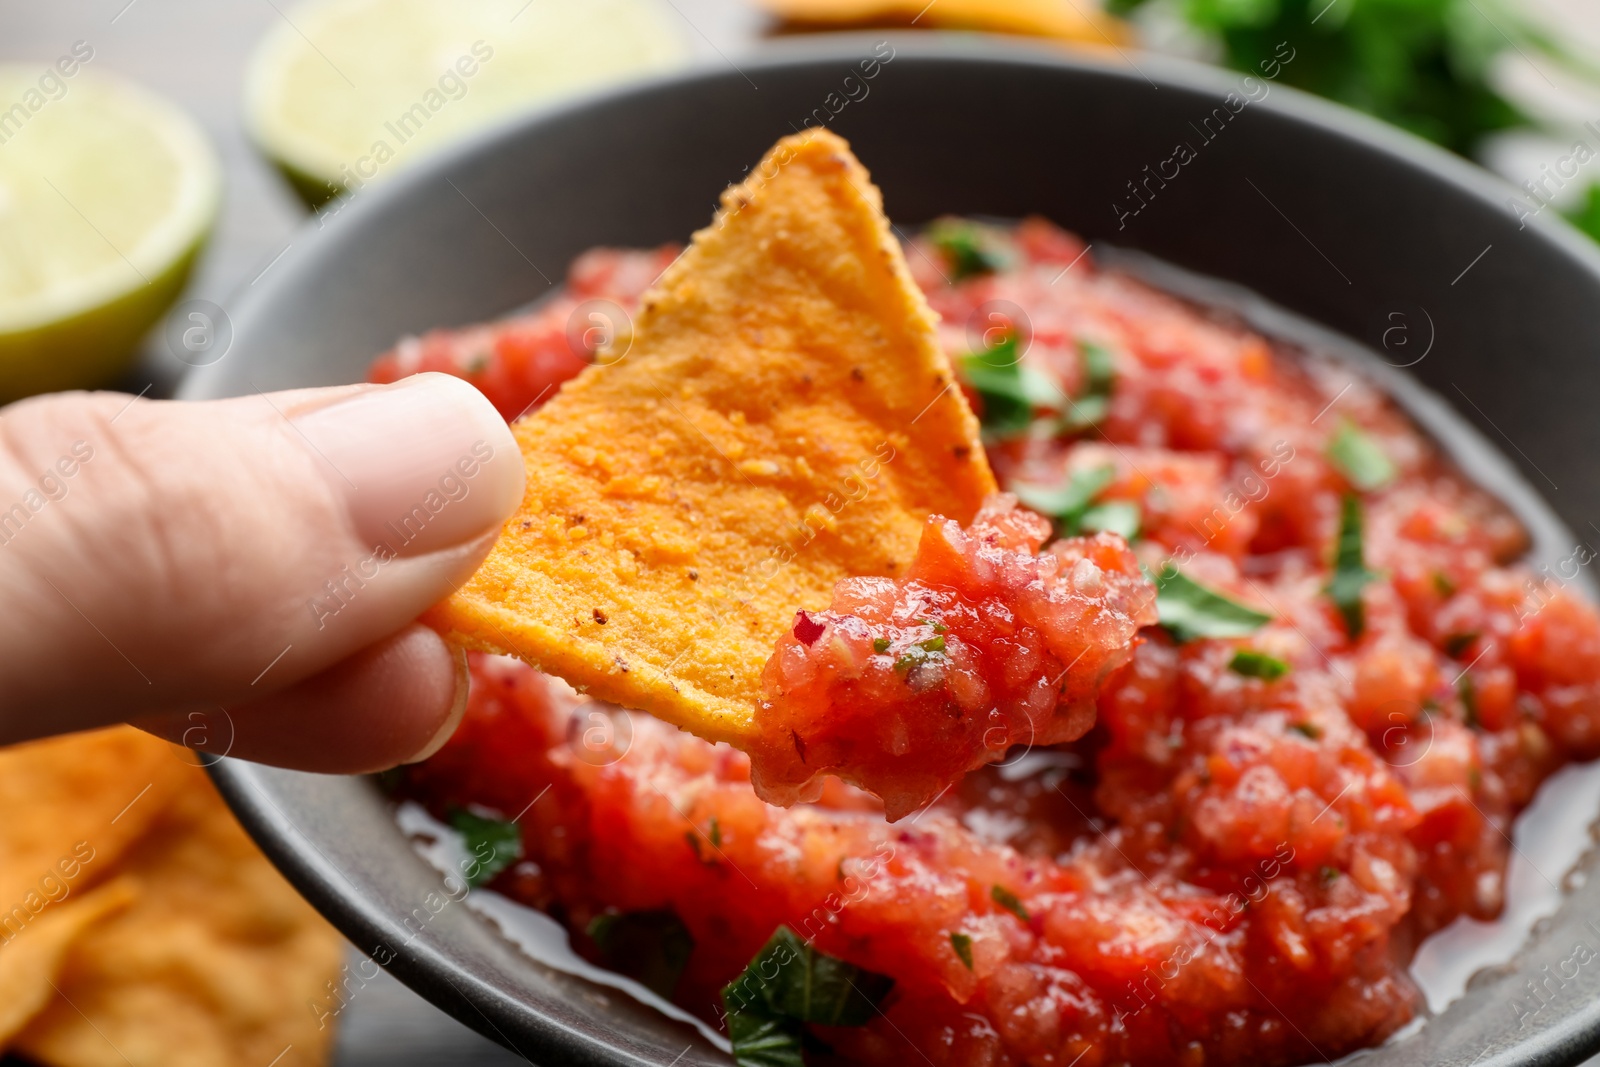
1307	765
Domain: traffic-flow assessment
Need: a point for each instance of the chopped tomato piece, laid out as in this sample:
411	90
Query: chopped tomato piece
902	686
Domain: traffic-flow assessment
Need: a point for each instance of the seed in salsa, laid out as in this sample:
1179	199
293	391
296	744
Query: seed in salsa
904	685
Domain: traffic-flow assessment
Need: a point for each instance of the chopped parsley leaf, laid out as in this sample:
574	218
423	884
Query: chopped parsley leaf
1100	368
1253	664
963	948
788	984
1068	503
1357	456
1350	574
1008	391
1189	610
1121	517
917	654
1084	413
967	250
1469	701
651	947
495	844
1008	900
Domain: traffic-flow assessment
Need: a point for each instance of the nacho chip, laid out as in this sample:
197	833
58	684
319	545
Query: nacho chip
73	805
215	963
781	419
1068	20
31	961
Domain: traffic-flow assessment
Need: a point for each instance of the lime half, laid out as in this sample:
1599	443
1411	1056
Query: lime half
344	92
106	195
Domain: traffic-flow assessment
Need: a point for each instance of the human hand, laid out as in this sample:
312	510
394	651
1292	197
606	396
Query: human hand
252	565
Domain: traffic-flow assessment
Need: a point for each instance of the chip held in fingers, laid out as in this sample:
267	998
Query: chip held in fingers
780	418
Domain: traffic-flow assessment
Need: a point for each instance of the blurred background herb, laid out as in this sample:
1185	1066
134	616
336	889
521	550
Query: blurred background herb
1434	67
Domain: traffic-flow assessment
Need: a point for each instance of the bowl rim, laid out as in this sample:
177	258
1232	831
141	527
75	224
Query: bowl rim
477	1003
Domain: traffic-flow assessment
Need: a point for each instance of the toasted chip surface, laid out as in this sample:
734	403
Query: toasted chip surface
1065	19
73	805
782	418
212	960
30	966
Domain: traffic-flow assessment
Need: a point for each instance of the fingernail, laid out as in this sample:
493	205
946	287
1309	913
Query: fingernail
422	465
458	709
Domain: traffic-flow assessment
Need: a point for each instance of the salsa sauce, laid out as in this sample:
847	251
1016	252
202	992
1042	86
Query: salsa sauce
904	685
1236	862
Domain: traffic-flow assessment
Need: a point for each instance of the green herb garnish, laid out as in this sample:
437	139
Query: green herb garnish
1009	391
967	250
1350	574
787	985
651	947
1360	458
880	644
1008	900
1424	66
1455	644
1253	664
1306	729
714	834
761	1040
1443	584
1067	504
1122	517
1086	412
917	654
495	844
1099	378
932	644
1586	215
1099	367
963	946
1189	610
1329	875
1469	701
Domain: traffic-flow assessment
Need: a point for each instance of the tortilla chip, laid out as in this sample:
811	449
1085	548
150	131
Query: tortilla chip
72	806
1068	20
216	962
32	958
782	418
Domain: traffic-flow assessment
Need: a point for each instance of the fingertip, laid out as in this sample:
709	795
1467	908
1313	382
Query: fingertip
458	709
396	701
423	464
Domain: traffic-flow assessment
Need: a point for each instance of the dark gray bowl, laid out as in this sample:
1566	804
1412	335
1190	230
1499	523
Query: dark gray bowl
1331	215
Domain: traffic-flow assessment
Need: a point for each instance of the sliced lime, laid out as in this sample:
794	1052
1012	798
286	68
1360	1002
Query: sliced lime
343	92
106	195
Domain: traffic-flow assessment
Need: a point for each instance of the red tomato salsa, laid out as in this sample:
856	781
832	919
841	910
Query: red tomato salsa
904	685
1309	765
